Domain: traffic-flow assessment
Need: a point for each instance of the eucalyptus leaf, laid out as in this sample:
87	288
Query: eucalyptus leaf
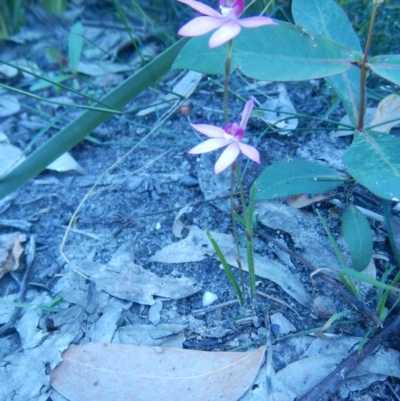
373	160
327	18
295	177
75	45
281	52
387	67
357	233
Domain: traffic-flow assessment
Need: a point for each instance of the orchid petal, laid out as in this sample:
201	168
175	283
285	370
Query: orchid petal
254	22
208	146
248	108
201	8
250	151
210	130
201	25
228	156
228	31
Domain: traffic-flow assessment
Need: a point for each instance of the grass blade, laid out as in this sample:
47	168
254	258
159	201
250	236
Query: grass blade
227	269
83	125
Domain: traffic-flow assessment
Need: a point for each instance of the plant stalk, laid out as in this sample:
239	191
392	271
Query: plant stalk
364	69
235	232
226	79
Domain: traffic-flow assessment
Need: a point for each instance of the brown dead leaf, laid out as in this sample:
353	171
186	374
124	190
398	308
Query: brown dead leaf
123	279
178	225
105	372
10	252
388	109
300	201
194	248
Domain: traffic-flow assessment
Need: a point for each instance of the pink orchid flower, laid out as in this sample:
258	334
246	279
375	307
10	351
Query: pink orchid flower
228	22
230	137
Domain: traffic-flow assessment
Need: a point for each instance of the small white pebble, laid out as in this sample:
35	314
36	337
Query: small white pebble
209	298
158	225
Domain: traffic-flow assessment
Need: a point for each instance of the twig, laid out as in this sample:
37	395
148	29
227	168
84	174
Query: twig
330	383
30	253
214	307
335	287
173	209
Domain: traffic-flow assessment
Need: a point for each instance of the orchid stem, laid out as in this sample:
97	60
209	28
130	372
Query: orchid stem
364	69
235	232
226	79
239	178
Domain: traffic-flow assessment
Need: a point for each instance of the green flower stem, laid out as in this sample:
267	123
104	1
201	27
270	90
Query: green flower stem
235	232
249	245
226	79
364	69
248	214
363	89
239	178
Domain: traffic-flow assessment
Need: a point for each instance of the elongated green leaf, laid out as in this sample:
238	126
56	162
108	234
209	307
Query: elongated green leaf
374	161
357	233
83	125
280	52
295	177
226	267
75	45
368	279
387	67
326	18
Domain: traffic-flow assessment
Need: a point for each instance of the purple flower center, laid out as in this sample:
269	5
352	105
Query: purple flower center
234	130
235	6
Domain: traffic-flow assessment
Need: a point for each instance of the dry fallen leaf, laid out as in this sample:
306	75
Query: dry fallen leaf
178	225
194	248
388	109
300	201
278	110
10	252
182	89
123	279
323	355
66	163
105	372
10	156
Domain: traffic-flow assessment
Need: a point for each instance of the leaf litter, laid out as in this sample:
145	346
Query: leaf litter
117	371
101	303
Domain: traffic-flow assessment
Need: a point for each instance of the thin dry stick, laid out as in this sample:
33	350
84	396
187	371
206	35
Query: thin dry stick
332	381
173	209
335	287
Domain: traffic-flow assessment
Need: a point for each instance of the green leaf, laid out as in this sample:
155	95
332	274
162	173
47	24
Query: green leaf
373	160
75	45
295	177
41	84
55	55
357	233
84	124
280	52
55	6
387	67
368	279
227	269
326	18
